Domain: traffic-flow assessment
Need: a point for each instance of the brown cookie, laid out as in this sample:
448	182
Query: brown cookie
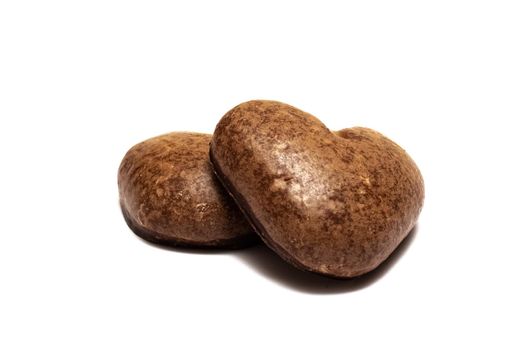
337	204
169	195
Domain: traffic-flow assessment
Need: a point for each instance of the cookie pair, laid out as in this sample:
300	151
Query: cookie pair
333	203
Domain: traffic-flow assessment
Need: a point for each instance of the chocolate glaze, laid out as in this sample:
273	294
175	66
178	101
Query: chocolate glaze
337	204
169	195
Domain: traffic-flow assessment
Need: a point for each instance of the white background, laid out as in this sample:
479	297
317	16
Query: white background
82	81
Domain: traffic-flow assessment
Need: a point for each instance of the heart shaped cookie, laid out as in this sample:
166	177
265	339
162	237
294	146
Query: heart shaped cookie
337	204
169	195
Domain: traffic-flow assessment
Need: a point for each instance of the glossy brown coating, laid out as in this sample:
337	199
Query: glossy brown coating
337	204
169	195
